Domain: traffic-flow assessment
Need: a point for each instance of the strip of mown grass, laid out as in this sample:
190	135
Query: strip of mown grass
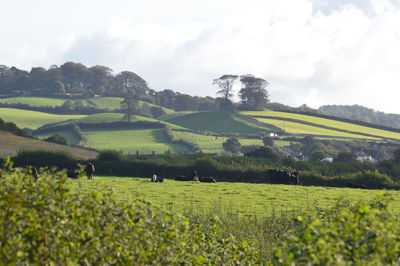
130	140
32	119
328	122
299	128
242	198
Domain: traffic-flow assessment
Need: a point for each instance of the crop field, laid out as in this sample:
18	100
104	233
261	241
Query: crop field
299	128
130	140
34	101
328	122
32	119
218	122
11	145
241	198
211	144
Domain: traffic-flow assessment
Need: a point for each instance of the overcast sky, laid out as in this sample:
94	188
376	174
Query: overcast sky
311	51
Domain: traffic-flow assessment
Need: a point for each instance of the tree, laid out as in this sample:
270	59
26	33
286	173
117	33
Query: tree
129	106
132	83
396	155
225	83
253	93
232	145
268	141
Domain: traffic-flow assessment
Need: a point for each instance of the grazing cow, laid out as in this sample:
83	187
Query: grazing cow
208	180
283	177
157	179
191	177
89	170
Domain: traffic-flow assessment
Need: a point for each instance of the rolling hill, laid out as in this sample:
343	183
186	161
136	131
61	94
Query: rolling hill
11	145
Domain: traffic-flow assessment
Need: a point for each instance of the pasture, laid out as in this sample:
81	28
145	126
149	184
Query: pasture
130	140
34	101
32	119
299	128
211	144
218	122
244	199
327	122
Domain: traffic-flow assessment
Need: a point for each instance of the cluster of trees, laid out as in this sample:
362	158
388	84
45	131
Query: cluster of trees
78	81
253	94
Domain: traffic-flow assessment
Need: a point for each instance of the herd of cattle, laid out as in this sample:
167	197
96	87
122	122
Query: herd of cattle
273	176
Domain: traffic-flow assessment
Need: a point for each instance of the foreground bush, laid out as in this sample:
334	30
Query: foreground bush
44	223
359	235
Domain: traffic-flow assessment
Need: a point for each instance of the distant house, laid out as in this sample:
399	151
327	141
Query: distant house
272	134
366	158
327	159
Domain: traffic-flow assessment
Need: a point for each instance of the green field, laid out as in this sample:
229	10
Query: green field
34	101
242	198
218	122
32	119
299	128
328	122
130	140
211	144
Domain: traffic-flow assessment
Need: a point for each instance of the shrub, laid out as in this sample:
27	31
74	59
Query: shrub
232	145
358	235
55	138
44	223
109	156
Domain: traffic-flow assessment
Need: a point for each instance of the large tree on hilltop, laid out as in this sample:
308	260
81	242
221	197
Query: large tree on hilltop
253	93
132	83
225	83
129	106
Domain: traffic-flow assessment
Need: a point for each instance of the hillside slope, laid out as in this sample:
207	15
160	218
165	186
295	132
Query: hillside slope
11	145
218	122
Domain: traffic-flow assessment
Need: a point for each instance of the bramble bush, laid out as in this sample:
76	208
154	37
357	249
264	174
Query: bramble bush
43	222
364	234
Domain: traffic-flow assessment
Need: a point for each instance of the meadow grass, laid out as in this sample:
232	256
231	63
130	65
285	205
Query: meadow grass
328	122
299	128
211	144
34	101
32	119
130	140
218	122
243	199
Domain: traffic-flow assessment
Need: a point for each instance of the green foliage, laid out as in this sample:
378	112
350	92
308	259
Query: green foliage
55	138
109	156
357	235
268	141
368	178
44	223
264	152
232	145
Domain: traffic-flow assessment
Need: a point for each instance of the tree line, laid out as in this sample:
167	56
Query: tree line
75	80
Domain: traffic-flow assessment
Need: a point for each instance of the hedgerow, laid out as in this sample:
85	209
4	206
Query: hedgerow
43	222
363	234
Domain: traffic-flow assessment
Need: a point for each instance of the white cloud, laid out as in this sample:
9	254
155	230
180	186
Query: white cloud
311	52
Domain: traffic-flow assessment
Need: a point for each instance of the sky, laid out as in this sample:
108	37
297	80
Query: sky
313	52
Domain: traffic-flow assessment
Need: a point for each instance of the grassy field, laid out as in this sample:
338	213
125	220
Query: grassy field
32	119
211	144
328	122
299	128
34	101
218	122
242	198
129	140
11	145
